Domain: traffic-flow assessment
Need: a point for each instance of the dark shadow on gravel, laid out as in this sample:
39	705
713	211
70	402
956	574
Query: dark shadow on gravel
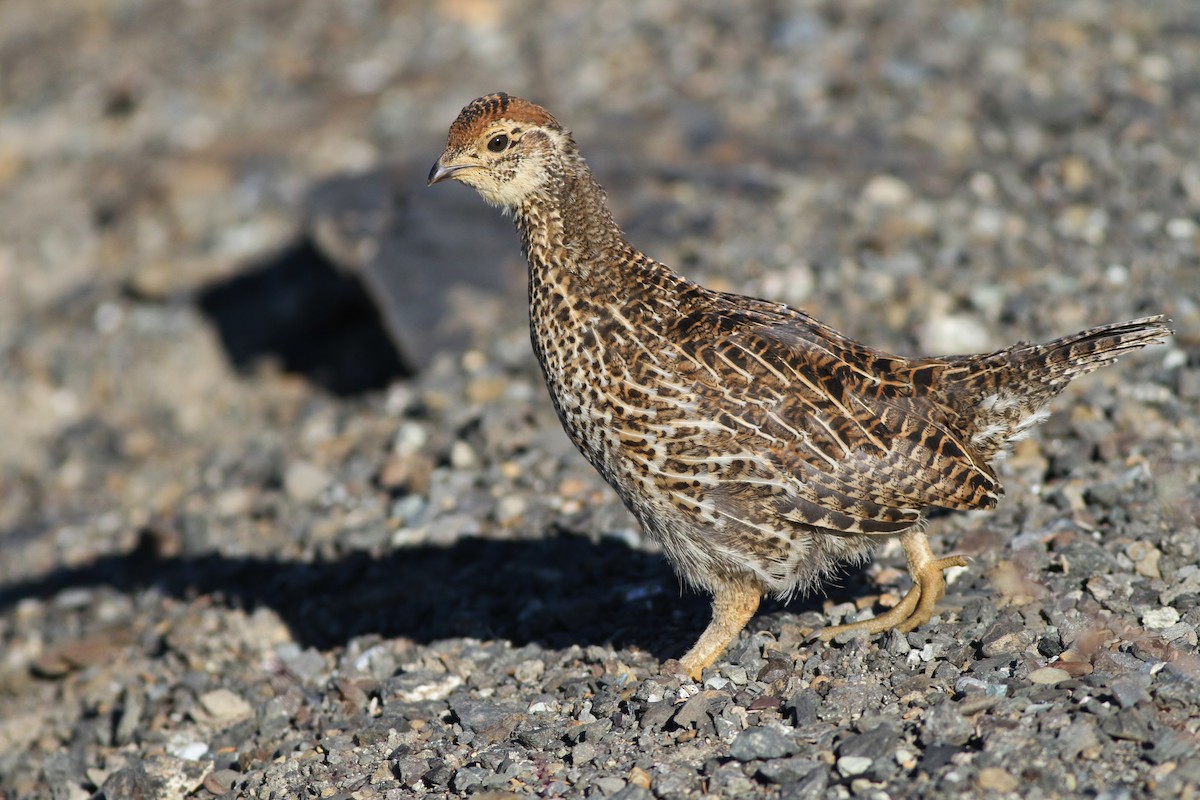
314	319
386	276
560	591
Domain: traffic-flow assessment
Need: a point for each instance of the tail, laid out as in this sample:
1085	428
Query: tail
1057	363
1014	385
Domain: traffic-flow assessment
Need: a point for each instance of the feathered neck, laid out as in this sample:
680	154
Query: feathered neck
567	224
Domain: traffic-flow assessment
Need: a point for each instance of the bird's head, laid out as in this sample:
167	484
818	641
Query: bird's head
505	148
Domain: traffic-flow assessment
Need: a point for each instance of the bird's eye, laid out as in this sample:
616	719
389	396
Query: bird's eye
498	143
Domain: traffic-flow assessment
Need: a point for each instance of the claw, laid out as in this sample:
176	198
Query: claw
917	606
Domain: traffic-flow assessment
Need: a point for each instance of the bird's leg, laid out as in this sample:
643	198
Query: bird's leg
734	603
928	586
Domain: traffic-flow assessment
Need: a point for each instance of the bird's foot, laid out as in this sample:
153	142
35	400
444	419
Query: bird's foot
928	586
734	603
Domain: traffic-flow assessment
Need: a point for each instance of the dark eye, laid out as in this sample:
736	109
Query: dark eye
498	142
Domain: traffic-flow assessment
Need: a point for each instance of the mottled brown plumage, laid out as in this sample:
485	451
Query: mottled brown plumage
759	446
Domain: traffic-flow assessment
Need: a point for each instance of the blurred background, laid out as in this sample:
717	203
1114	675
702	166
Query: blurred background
236	326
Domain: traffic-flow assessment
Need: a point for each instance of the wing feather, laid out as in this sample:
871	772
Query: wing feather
858	445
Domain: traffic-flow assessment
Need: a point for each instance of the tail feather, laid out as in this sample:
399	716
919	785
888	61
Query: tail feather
1016	383
1059	362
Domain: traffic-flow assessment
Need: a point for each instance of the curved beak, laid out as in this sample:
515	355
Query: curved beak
439	172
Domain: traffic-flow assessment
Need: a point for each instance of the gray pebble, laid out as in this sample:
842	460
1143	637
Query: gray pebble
851	766
877	742
1131	690
787	771
656	715
1007	636
1080	735
609	784
945	724
1130	724
761	743
699	710
493	721
811	787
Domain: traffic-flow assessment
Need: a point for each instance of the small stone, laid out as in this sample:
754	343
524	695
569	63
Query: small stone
307	664
1145	558
582	753
801	710
529	671
1076	173
736	673
222	705
1180	634
609	784
761	743
765	702
273	718
510	509
1078	738
775	669
188	750
639	777
945	724
938	756
1130	691
462	456
887	191
1083	222
1159	618
1130	724
812	787
1181	229
987	224
786	771
966	685
881	739
996	779
486	390
1170	746
1007	637
656	715
698	711
157	778
540	738
221	781
493	721
850	766
632	792
129	720
973	705
304	482
1048	675
422	685
468	777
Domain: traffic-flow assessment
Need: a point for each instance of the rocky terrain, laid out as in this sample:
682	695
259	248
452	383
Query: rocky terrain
285	511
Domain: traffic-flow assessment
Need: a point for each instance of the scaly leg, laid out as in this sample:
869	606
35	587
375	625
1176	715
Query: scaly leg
734	603
928	586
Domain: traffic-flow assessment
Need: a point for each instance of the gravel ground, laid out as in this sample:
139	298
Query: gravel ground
246	552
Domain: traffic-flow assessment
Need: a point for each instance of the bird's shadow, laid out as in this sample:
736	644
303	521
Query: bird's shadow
557	591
